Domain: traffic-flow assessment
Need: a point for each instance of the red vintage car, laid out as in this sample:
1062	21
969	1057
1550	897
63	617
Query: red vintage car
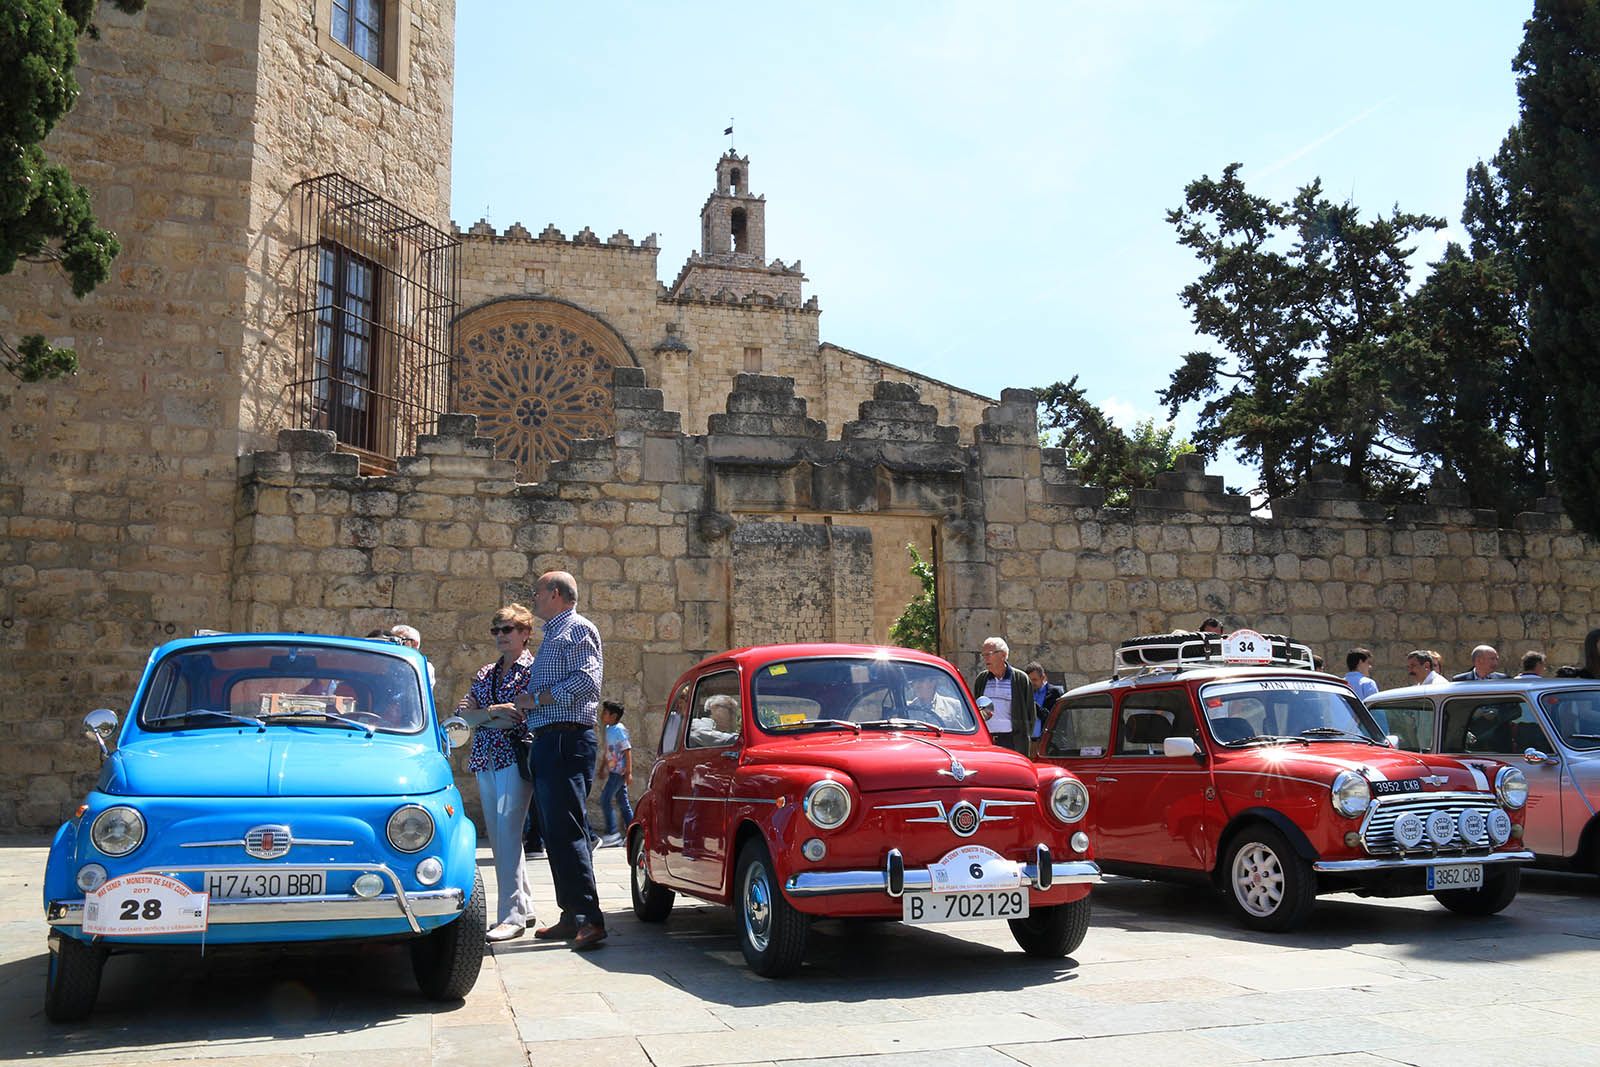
1231	763
798	782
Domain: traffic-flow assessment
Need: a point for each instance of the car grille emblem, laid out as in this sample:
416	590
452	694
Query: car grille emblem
964	819
268	842
958	770
1436	779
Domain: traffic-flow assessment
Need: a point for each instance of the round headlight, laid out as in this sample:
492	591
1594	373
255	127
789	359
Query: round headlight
1408	830
117	831
1473	826
410	828
1351	793
827	804
429	871
1499	827
1441	828
1511	787
91	876
1068	799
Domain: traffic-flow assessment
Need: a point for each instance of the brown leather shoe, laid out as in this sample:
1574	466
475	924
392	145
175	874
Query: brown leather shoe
565	930
589	936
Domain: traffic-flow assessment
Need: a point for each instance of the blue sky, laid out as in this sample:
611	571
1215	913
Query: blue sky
978	191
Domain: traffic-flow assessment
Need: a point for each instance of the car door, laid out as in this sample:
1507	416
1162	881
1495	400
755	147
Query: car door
1077	736
1155	809
1502	727
701	782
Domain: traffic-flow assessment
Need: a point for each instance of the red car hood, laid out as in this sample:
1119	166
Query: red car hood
879	762
1379	764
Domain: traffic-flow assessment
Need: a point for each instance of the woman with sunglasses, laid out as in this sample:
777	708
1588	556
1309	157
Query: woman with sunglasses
501	786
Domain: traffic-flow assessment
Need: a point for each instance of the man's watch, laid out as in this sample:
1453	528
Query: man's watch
538	700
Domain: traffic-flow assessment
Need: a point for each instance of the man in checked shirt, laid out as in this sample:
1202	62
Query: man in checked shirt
561	700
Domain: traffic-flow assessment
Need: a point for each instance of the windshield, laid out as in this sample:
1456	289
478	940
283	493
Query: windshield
260	685
1269	708
811	694
1575	713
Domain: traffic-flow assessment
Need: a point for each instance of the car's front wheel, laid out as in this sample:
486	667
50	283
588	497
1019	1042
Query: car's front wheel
447	961
651	901
1269	885
72	981
1499	889
772	934
1053	931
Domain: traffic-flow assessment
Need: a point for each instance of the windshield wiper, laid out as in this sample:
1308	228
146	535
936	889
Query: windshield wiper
329	715
245	720
1263	738
903	724
1333	732
809	723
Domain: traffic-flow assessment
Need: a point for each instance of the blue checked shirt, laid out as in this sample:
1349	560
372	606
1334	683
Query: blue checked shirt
569	664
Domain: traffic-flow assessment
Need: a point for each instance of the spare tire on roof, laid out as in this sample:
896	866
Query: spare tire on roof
1164	647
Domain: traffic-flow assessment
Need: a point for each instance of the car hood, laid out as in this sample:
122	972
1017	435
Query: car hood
883	762
324	762
1327	759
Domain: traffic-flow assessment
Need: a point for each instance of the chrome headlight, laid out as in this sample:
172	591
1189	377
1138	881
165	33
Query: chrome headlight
117	831
827	804
1511	787
410	828
1069	800
1351	793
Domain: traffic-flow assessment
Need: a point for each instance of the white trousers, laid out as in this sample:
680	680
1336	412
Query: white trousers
505	795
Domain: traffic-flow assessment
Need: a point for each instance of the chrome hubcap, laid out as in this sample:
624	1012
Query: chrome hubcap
1258	879
757	906
641	878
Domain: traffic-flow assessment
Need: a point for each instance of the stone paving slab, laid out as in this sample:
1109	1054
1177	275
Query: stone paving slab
1165	976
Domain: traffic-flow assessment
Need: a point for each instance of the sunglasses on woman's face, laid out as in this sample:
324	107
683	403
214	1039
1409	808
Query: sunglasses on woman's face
498	630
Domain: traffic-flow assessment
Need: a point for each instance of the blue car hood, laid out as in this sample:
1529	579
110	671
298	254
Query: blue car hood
275	763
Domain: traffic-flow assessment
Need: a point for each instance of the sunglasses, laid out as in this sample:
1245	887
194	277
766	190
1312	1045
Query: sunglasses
498	630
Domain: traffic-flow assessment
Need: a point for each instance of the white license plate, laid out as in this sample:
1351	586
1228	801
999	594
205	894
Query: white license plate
278	882
1456	876
921	909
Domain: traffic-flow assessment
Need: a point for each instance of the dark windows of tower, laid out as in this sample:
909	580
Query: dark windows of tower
358	25
346	348
739	232
733	179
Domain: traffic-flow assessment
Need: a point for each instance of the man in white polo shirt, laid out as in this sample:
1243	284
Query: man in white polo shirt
1011	717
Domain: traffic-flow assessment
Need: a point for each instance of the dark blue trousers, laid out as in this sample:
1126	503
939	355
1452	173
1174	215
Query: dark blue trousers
563	771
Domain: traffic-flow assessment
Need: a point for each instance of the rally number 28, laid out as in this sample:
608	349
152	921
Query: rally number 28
131	912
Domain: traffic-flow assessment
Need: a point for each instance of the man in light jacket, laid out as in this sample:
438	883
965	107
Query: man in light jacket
1012	715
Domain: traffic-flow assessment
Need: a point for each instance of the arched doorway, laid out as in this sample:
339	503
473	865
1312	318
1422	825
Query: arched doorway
537	373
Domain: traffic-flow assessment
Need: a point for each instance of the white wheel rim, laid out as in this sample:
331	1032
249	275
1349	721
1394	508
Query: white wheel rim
1258	879
756	906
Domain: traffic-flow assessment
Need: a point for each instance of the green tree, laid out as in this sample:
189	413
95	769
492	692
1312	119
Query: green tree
1556	173
918	624
45	216
1103	452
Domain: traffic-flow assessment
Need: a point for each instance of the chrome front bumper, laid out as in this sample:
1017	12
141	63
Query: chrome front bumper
894	879
1400	863
328	908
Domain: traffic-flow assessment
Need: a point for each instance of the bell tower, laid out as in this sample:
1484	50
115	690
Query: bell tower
732	261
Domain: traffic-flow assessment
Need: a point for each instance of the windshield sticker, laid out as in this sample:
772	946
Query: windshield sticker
1230	689
1091	750
777	669
791	718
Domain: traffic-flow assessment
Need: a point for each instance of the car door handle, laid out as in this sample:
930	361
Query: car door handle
1104	778
729	753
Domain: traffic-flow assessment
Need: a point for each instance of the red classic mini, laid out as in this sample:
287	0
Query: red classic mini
802	781
1229	762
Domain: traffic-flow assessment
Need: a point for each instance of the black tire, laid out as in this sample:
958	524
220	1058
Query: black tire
72	979
1270	887
1053	931
651	901
1500	885
772	934
447	961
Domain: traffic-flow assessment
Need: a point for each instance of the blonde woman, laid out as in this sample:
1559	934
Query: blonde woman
501	786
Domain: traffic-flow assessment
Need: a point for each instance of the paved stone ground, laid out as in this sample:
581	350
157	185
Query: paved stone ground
1164	977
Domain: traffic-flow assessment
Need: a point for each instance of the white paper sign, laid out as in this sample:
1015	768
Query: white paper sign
140	904
974	867
1246	646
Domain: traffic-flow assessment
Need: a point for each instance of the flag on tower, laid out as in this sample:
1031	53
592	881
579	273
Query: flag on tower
728	132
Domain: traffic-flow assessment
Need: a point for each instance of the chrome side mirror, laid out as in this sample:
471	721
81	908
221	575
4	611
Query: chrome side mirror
457	731
1392	739
1179	746
98	726
1533	755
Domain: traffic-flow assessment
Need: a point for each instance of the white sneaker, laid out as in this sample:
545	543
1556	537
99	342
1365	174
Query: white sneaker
504	932
611	841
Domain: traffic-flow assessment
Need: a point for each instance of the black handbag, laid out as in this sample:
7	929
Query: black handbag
522	747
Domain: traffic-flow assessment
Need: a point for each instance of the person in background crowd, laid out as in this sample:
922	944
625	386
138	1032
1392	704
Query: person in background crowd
1532	664
1316	662
1012	712
561	699
1438	663
1211	626
1045	695
1419	668
1358	667
411	637
614	770
502	788
1485	661
1590	667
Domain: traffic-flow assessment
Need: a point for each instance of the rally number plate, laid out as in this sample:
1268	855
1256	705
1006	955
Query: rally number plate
278	882
1456	876
922	909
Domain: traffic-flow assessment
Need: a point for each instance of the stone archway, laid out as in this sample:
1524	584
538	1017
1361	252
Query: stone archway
537	373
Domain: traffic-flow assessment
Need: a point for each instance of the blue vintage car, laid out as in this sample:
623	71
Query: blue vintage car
269	788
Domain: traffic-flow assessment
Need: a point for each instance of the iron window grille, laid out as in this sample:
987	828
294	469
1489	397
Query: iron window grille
376	293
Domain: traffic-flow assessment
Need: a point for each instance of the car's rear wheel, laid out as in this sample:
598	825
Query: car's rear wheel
1268	884
772	934
447	961
1053	931
1499	889
651	901
72	981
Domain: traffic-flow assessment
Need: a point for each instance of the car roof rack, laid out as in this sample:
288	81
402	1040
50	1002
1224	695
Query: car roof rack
1190	648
